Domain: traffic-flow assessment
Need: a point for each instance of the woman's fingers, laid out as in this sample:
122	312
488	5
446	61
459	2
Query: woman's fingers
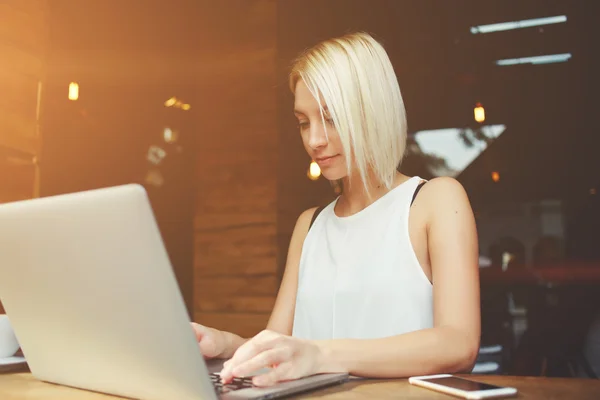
262	342
199	330
266	359
206	341
280	373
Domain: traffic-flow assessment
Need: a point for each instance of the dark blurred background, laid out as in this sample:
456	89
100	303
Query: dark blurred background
190	99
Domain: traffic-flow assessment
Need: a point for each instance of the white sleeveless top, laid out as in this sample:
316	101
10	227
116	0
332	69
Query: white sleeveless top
359	276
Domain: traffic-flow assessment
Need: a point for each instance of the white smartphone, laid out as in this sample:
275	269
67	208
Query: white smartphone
461	387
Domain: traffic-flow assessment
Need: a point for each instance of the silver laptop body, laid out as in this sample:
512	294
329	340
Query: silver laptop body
90	291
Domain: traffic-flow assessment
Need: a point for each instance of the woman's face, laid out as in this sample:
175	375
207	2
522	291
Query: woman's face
324	148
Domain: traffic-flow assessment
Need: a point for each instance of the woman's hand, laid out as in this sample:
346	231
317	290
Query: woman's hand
212	342
289	357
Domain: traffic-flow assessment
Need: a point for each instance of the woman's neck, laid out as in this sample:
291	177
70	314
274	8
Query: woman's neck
355	196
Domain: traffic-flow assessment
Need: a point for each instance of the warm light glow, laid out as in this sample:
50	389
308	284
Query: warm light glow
155	178
177	103
593	191
169	135
495	176
479	113
314	171
73	91
156	154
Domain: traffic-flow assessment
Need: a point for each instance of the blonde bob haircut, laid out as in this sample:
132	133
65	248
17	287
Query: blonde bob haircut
353	76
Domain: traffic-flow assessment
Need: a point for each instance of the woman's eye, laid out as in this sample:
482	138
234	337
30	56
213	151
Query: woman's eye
303	125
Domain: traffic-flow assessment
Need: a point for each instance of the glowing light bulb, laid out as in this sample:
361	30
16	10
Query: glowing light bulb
314	172
495	176
479	113
73	91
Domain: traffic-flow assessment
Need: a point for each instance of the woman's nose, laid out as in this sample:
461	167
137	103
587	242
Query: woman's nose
317	137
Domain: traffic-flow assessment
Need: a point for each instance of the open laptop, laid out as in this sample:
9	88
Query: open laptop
93	300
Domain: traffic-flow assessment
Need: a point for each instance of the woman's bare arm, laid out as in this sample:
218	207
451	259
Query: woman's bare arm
282	317
452	344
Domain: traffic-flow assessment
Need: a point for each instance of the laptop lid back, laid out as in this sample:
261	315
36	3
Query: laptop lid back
89	289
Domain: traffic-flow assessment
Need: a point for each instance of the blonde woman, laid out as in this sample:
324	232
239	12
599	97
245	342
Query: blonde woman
381	282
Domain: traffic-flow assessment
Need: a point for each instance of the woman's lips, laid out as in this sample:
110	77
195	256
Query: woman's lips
325	161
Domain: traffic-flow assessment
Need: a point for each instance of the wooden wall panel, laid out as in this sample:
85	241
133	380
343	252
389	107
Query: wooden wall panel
236	218
23	43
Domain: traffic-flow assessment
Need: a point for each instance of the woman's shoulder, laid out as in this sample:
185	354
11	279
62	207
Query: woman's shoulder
443	185
442	195
306	217
312	213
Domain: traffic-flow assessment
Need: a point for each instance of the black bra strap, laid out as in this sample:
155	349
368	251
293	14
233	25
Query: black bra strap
417	191
317	212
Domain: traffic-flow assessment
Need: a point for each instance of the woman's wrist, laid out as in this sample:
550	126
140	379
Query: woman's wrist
327	358
231	342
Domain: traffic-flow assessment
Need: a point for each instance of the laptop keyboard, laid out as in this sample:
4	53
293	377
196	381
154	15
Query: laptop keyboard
237	384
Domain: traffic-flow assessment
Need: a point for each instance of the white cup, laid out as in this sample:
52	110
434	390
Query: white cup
8	341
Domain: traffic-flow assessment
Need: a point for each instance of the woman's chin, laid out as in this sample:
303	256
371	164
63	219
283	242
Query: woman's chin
331	175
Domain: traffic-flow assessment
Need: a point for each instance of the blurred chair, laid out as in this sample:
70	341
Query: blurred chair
558	320
507	252
547	251
490	360
590	366
497	340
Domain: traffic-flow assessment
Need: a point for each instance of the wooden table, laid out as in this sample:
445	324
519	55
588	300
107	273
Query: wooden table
22	386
